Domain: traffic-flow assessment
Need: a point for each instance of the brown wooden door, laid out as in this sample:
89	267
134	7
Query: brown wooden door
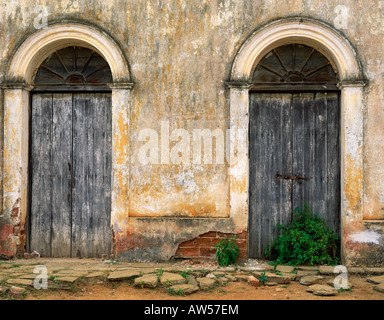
71	174
292	135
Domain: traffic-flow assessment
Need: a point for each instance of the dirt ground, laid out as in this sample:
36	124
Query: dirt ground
362	290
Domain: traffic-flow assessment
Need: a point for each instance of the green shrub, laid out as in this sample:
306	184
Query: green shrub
226	251
307	240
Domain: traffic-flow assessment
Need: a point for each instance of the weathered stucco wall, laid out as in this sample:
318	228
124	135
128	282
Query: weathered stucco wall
180	54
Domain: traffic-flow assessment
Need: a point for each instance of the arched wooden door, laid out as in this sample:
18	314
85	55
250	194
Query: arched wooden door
294	153
70	156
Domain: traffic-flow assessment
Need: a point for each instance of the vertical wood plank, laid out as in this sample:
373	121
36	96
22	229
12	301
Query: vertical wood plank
92	165
62	175
102	179
270	137
41	180
82	176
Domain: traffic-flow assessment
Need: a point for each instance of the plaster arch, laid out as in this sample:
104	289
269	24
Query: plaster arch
33	51
306	31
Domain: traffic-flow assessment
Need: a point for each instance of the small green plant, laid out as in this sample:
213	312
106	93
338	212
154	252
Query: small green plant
185	274
226	251
343	290
141	284
307	240
159	274
173	292
263	278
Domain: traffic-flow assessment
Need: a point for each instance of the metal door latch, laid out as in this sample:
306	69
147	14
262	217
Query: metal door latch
297	178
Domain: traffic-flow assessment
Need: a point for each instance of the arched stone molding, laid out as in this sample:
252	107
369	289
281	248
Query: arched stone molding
33	51
344	58
19	82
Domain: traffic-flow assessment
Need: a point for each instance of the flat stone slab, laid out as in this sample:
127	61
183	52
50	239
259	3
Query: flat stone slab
241	277
326	270
376	279
96	274
219	274
355	270
16	291
29	276
308	268
66	279
286	269
310	280
281	279
146	281
379	287
206	283
124	275
290	276
71	273
303	273
322	290
374	270
184	288
25	282
169	278
346	286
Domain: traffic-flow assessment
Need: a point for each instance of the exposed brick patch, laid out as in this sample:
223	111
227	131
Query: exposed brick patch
203	246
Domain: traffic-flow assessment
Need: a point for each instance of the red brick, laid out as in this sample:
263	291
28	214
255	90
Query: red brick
207	252
203	242
241	244
178	253
187	244
190	252
210	234
242	255
225	235
242	235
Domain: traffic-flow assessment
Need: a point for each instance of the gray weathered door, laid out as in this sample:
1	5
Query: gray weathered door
71	174
294	159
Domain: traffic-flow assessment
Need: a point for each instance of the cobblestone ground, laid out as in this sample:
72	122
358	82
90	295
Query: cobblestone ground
41	278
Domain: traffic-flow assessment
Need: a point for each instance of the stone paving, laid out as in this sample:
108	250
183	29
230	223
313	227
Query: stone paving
17	277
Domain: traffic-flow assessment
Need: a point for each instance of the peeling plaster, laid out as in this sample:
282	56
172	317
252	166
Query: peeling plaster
367	236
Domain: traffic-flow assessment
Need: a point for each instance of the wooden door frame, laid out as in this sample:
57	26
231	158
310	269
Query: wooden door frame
25	60
303	89
334	46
